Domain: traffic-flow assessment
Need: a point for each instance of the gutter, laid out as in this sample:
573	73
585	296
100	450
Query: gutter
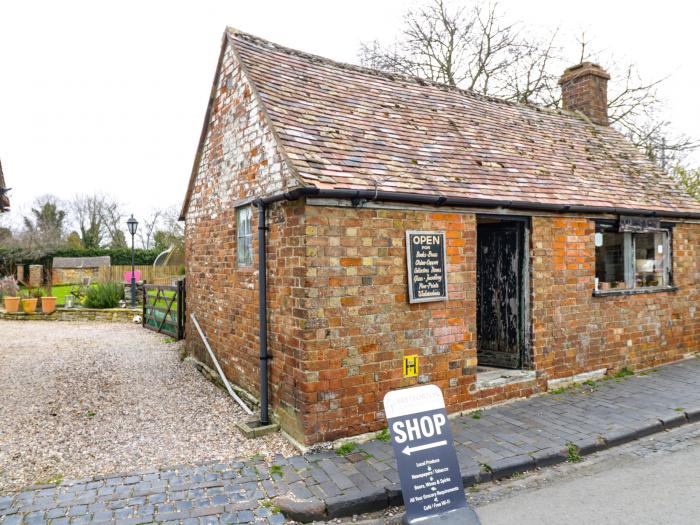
358	197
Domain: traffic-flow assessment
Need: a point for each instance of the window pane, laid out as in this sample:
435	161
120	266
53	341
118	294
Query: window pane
649	259
610	261
244	236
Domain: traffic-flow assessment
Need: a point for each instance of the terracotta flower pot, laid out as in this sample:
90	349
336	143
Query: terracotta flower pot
48	304
11	304
29	305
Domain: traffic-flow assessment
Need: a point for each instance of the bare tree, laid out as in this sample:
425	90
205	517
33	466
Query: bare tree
148	227
474	46
113	219
635	108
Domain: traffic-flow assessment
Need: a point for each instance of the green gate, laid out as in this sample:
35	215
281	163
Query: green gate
164	309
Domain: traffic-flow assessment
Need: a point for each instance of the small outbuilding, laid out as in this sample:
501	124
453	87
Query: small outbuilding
349	232
76	270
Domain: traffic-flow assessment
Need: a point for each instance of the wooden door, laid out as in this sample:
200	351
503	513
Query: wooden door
498	300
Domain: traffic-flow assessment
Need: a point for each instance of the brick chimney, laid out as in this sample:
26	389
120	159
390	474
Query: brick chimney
584	88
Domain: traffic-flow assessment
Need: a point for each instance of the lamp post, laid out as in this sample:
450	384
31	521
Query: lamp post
132	224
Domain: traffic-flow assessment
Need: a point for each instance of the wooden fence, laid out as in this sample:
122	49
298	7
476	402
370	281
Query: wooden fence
149	273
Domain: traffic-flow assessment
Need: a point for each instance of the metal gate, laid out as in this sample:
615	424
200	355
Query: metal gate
164	309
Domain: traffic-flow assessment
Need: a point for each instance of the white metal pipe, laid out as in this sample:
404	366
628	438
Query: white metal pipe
218	368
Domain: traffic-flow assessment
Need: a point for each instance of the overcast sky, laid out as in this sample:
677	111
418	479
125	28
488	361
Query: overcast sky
109	96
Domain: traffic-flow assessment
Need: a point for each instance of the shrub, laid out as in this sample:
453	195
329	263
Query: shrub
104	295
8	287
37	293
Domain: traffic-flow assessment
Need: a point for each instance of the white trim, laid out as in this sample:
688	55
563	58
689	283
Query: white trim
563	382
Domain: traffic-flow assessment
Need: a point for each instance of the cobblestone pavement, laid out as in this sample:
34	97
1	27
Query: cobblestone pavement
510	438
643	454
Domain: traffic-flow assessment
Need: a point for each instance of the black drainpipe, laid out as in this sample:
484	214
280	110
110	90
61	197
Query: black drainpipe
262	302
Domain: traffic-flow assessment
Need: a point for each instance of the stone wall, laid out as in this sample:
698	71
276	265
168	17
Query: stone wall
74	275
116	315
36	275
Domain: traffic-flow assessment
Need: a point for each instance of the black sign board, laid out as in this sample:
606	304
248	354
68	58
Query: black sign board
427	275
431	482
638	224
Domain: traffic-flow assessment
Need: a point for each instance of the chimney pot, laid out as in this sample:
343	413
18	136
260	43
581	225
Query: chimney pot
584	88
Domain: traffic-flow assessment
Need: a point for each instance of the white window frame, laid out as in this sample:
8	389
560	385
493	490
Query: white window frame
244	236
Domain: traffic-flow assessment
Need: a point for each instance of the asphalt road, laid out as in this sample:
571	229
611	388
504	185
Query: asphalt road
650	483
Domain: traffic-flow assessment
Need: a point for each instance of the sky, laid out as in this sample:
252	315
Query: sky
106	96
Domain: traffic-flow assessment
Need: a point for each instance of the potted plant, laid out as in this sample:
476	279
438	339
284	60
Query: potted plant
48	302
29	301
9	290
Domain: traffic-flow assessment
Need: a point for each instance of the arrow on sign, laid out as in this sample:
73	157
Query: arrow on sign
407	450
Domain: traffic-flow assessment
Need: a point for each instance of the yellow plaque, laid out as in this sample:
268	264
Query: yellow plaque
410	365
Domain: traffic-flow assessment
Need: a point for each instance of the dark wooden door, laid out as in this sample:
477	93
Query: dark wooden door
498	298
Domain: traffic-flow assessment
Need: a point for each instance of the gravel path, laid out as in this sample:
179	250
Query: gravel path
82	399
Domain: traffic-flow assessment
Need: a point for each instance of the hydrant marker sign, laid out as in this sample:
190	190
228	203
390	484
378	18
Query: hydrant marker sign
422	440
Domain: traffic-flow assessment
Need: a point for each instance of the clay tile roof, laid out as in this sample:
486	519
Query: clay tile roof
346	127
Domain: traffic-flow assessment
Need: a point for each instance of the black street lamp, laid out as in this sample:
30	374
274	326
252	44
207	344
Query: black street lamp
132	224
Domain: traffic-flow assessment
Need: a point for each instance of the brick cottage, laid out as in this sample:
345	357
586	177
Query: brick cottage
543	248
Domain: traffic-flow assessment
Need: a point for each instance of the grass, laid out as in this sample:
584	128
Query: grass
573	452
56	479
383	435
623	372
169	340
90	413
60	291
346	448
679	409
476	414
276	470
269	505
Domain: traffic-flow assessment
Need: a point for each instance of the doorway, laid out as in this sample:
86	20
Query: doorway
501	297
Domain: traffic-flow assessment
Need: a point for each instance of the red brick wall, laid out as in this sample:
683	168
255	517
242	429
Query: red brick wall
575	332
359	323
240	160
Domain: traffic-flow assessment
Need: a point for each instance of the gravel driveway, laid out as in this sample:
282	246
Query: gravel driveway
82	399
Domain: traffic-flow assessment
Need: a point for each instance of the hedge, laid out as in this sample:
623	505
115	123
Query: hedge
117	255
12	256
